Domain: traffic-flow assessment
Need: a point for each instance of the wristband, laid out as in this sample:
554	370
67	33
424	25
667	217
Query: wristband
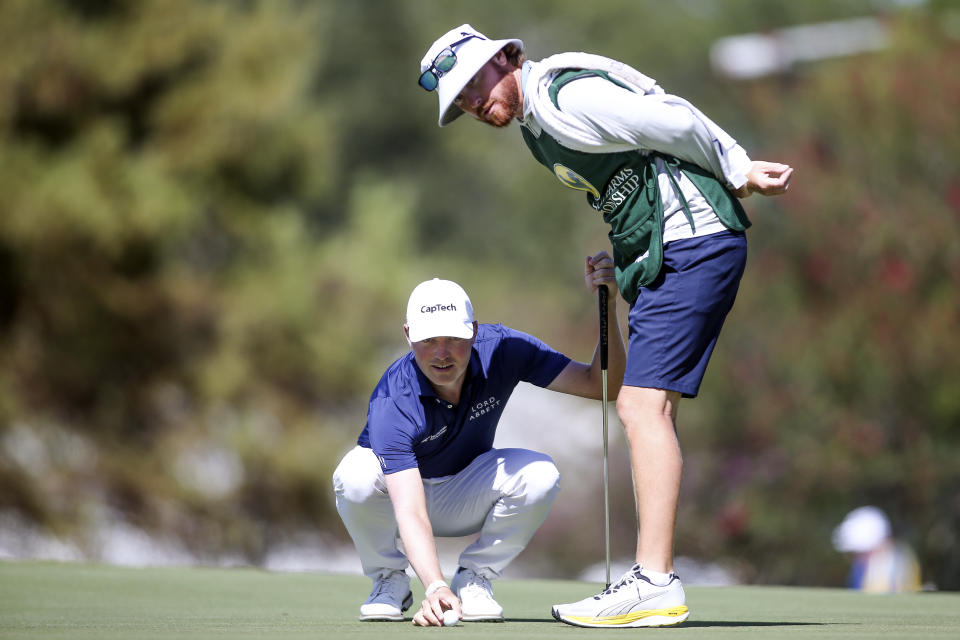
435	586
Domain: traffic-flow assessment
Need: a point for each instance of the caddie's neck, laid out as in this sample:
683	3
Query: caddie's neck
518	78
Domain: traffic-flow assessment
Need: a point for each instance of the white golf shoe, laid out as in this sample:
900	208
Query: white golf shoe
633	601
476	597
390	597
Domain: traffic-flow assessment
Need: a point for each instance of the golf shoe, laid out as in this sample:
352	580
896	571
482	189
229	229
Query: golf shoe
476	597
389	598
633	601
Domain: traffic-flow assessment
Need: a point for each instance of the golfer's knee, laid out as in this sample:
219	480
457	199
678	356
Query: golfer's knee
356	480
541	481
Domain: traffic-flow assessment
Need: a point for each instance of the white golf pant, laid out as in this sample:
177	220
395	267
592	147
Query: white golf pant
504	494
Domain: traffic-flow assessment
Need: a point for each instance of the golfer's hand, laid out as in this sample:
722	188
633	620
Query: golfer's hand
433	606
766	178
598	270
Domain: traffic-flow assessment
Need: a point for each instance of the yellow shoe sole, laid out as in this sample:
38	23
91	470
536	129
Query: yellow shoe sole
644	618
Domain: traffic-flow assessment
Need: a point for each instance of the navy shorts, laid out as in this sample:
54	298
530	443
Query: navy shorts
675	321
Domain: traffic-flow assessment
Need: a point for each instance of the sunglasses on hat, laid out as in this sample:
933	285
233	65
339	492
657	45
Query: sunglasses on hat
442	64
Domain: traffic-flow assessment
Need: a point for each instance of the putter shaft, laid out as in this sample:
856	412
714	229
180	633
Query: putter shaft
604	339
606	478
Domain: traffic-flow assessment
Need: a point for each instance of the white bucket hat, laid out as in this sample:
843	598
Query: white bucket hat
862	530
439	308
472	53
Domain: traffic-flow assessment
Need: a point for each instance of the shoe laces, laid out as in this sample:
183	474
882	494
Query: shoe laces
390	585
478	585
630	577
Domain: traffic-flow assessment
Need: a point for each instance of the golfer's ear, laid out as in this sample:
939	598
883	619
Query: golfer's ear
406	334
475	325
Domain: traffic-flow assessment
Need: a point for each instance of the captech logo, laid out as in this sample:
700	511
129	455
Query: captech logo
574	180
438	307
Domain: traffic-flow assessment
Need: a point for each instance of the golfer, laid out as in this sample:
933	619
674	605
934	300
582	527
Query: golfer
667	181
425	465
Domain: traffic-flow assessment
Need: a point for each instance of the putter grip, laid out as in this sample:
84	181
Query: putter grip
604	328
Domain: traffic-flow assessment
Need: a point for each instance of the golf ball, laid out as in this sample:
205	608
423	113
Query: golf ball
450	618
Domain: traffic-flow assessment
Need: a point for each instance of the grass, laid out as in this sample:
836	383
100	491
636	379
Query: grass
76	601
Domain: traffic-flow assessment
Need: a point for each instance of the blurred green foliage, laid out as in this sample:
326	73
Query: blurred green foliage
213	213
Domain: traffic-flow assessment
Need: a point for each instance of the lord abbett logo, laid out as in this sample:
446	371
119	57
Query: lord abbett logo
574	180
484	406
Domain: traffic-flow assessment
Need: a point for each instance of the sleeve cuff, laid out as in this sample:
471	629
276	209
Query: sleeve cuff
736	166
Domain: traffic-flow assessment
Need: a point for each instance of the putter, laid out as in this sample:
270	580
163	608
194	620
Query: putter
604	333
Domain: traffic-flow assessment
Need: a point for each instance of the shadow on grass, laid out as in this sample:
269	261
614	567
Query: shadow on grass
746	623
702	623
547	619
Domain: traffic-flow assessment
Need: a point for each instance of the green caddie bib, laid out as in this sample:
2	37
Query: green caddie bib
623	188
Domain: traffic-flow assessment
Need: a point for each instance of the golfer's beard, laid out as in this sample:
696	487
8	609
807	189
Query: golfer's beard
503	115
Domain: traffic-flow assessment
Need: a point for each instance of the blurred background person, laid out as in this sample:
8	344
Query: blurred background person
881	564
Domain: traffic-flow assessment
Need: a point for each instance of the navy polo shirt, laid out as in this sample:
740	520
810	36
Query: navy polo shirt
409	426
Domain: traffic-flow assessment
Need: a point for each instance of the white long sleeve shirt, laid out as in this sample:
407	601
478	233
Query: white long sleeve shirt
609	118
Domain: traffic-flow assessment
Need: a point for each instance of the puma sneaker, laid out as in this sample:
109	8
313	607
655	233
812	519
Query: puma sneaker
633	601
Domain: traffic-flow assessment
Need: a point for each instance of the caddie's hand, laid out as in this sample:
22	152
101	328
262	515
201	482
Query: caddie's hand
598	269
766	178
433	606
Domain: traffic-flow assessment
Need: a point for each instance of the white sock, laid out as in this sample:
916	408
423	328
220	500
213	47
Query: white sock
657	578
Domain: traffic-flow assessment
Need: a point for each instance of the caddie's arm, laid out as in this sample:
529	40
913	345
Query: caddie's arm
580	378
410	507
660	122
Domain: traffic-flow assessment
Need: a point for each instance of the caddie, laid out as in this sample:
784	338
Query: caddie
425	465
666	179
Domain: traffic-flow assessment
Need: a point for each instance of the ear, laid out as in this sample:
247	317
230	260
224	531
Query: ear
475	325
406	334
500	60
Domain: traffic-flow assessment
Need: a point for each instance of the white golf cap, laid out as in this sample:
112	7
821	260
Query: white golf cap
439	308
861	530
472	54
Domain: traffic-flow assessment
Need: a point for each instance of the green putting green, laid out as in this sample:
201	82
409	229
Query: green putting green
53	600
